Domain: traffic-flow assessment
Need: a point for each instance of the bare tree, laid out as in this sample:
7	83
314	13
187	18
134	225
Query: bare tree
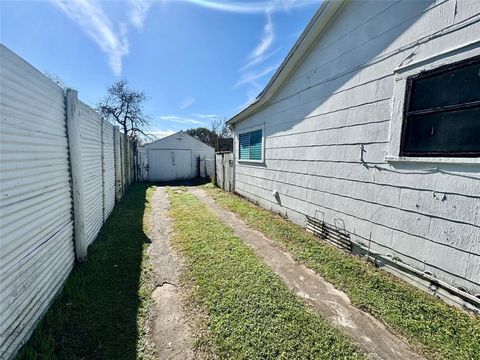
123	106
223	134
218	136
220	127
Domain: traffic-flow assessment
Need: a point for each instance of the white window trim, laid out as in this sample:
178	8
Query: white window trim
401	74
248	130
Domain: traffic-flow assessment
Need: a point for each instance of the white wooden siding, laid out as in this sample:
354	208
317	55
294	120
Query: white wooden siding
36	242
327	135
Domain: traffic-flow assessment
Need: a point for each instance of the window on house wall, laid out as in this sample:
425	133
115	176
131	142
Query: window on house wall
251	145
442	112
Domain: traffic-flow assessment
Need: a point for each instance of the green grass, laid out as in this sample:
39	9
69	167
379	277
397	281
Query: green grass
435	328
101	312
250	312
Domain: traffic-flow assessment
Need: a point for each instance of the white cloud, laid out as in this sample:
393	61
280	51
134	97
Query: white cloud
193	120
259	60
266	41
206	116
89	15
161	133
252	77
138	12
250	74
181	120
111	34
259	54
252	94
251	7
186	103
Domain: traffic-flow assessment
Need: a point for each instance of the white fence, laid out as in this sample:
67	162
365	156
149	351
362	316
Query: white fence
61	170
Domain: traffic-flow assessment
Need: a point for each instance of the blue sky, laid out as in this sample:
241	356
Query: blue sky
195	59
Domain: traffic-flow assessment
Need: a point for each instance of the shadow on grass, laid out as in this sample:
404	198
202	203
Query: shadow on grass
96	314
191	182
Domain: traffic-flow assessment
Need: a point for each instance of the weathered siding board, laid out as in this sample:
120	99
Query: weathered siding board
330	87
403	238
416	223
381	30
328	131
422	202
374	153
391	238
450	183
36	242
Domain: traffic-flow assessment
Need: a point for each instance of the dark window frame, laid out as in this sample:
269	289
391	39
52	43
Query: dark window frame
408	114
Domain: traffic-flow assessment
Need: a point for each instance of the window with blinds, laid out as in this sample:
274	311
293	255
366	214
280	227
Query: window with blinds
442	112
251	145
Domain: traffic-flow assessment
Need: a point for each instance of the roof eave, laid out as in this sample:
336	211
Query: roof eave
322	18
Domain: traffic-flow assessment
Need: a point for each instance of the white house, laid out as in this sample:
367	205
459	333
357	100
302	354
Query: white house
371	128
178	157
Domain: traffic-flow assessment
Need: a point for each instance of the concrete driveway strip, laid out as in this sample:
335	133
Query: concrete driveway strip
171	332
366	331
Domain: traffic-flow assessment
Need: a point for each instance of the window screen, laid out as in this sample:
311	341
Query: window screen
250	144
442	112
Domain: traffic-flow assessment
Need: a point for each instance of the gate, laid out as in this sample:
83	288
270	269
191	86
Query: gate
224	171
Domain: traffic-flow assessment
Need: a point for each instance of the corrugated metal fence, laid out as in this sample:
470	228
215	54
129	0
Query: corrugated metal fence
61	172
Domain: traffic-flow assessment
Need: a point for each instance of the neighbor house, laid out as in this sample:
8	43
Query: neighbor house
369	132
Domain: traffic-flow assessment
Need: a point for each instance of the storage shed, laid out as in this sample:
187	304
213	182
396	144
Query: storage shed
370	132
178	157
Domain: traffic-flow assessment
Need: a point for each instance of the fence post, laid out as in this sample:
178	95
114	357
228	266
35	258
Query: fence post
103	167
129	162
118	163
224	172
78	190
122	163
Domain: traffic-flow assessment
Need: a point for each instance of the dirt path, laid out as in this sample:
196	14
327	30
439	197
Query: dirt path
366	331
170	330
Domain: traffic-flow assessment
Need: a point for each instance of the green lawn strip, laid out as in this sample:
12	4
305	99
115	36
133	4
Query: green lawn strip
437	329
101	312
251	312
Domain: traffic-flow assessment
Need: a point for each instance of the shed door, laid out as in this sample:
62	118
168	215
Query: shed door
167	165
